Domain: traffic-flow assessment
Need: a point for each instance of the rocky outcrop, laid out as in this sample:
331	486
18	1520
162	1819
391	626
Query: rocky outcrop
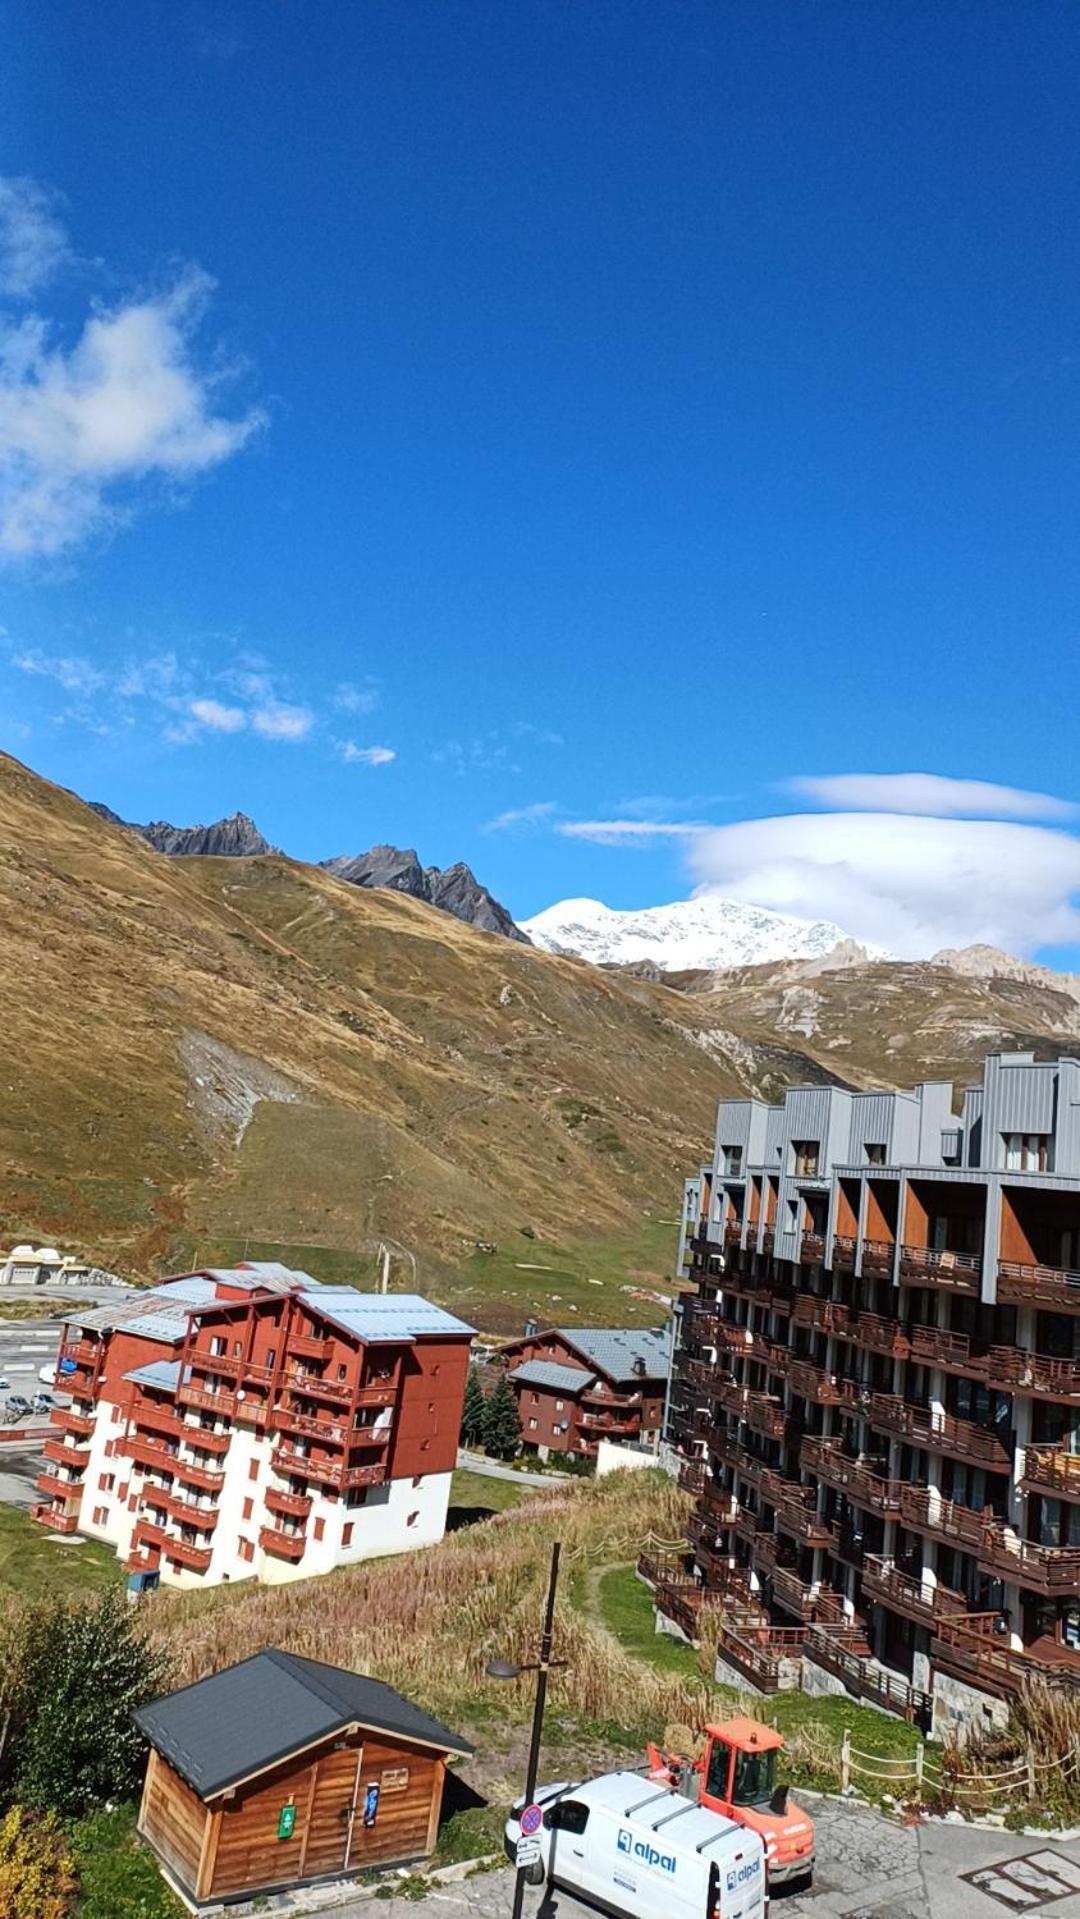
238	837
454	889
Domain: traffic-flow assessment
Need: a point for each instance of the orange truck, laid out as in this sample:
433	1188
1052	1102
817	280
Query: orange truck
736	1776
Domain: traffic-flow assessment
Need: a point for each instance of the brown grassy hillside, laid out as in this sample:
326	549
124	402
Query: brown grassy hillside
205	1055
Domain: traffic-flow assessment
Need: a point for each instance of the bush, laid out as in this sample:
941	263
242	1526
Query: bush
75	1673
37	1873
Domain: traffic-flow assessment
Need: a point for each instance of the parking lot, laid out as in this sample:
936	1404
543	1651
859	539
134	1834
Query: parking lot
25	1347
868	1868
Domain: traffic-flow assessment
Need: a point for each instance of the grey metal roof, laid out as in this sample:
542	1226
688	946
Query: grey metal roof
164	1373
151	1314
558	1379
194	1290
238	1722
614	1349
385	1318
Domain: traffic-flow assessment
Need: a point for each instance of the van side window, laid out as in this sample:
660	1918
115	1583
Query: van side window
569	1815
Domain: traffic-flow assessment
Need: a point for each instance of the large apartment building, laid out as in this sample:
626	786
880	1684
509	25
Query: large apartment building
877	1390
250	1423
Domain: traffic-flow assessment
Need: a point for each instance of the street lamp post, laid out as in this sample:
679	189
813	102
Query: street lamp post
505	1669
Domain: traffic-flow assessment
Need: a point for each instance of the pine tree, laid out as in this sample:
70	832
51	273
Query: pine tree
502	1426
474	1411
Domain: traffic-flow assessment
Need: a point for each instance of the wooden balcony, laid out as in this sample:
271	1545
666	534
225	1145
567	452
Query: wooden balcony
692	1476
311	1385
821	1388
701	1326
769	1657
152	1454
940	1433
56	1488
926	1512
842	1650
1051	1469
201	1439
185	1511
67	1420
328	1432
307	1346
857	1480
55	1519
886	1583
877	1258
207	1482
1024	1285
719	1508
1052	1570
180	1551
812	1249
934	1266
63	1453
223	1404
325	1472
843	1252
225	1365
977	1648
768	1239
288	1505
285	1544
874	1333
733	1232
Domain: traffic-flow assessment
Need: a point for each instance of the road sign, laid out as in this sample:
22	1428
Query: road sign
531	1820
528	1850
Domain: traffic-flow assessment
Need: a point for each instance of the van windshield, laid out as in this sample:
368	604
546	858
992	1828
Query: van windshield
755	1778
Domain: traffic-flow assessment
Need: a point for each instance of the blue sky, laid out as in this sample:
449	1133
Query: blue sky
614	412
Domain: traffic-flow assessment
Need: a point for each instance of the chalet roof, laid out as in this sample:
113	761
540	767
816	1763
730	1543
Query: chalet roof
251	1716
557	1379
617	1350
155	1313
384	1318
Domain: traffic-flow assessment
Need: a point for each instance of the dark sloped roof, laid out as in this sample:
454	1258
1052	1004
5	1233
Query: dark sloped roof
618	1350
238	1722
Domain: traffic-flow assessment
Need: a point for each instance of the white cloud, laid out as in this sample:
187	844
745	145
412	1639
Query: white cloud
357	699
71	671
912	885
931	793
354	755
33	243
626	832
521	816
542	735
82	429
278	721
218	717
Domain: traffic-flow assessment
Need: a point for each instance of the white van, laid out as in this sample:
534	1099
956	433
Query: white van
639	1850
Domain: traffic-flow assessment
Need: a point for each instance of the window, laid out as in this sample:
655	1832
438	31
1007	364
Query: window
755	1776
346	1533
249	1507
875	1152
533	1424
342	1371
534	1398
253	1469
238	1348
320	1528
271	1355
1026	1152
569	1815
412	1519
732	1158
356	1496
246	1550
217	1346
807	1154
105	1482
560	1405
101	1514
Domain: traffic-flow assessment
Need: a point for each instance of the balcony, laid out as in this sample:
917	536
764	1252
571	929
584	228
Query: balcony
156	1417
152	1454
1023	1285
976	1648
843	1651
56	1488
1052	1570
812	1249
328	1432
83	1353
307	1346
926	1512
286	1545
768	1657
768	1239
325	1472
843	1252
933	1266
1010	1368
312	1386
1051	1469
207	1482
63	1454
939	1432
288	1505
692	1476
180	1551
201	1439
57	1522
229	1366
821	1388
808	1599
67	1420
886	1583
185	1511
877	1258
733	1232
857	1480
221	1403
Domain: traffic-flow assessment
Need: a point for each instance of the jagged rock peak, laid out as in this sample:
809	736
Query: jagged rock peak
237	837
454	889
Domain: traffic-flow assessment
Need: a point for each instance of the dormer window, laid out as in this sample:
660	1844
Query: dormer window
807	1153
732	1157
1026	1152
875	1153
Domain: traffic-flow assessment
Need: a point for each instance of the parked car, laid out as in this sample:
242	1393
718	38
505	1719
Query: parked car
42	1403
18	1406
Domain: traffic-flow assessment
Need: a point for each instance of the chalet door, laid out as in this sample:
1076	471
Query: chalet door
332	1812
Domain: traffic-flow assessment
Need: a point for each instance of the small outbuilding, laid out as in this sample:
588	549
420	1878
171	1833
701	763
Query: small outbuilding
282	1770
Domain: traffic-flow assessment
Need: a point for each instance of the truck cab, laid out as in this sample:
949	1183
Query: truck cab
738	1780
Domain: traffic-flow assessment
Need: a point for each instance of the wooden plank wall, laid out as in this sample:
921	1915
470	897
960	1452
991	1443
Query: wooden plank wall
173	1819
401	1826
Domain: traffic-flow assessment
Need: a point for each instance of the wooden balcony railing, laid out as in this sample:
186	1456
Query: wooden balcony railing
933	1266
187	1511
842	1652
1052	1469
692	1476
202	1439
812	1249
289	1505
843	1252
939	1432
926	1512
67	1420
978	1646
54	1487
55	1519
307	1346
907	1593
768	1656
200	1476
63	1453
856	1479
821	1388
181	1551
1020	1285
157	1416
877	1258
733	1232
287	1545
220	1403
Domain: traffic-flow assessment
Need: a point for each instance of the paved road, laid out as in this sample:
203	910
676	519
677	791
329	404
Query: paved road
491	1469
868	1869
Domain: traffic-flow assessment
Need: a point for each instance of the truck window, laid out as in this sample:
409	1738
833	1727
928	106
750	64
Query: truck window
755	1778
569	1815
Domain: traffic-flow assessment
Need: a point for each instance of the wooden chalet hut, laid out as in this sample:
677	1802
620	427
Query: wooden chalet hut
282	1770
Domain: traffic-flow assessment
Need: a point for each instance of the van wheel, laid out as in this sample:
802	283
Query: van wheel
535	1874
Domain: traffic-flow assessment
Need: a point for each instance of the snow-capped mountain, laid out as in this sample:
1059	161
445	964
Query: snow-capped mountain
707	931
